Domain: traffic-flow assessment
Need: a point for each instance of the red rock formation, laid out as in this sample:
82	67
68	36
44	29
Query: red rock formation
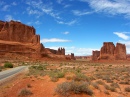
120	51
19	38
107	51
110	52
95	55
60	51
16	31
72	56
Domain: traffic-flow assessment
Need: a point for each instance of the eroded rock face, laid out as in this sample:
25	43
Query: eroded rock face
19	38
72	56
16	31
110	52
60	51
95	55
107	50
120	51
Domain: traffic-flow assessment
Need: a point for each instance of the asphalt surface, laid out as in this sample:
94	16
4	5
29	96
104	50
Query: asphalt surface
7	73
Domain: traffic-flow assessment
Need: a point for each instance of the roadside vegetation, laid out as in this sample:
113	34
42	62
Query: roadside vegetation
85	78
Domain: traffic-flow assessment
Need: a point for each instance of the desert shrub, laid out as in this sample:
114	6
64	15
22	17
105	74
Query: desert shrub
38	67
80	87
106	92
124	82
8	65
95	85
107	87
113	89
78	70
76	87
54	79
81	77
69	77
115	85
63	88
29	86
100	82
25	92
58	74
109	81
127	89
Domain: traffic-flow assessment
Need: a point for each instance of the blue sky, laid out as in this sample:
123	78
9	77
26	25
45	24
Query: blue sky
79	26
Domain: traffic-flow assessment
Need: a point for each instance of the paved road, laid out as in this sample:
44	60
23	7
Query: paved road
7	73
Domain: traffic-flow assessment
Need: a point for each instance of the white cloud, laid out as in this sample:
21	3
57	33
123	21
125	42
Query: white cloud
54	40
80	13
67	23
5	8
113	7
39	8
34	12
122	35
126	39
8	18
66	32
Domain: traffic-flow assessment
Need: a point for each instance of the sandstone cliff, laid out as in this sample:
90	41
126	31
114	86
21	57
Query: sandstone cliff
19	38
16	31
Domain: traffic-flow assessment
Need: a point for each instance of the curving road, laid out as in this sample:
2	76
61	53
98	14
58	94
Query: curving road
8	73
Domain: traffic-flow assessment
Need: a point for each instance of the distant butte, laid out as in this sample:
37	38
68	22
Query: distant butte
110	52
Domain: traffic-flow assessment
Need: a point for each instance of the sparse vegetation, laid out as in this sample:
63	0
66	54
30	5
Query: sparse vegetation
127	89
78	81
76	87
25	92
8	65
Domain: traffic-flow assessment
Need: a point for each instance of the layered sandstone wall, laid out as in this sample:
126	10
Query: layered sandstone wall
16	31
19	38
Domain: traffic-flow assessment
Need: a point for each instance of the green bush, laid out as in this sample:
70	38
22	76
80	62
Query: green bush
8	65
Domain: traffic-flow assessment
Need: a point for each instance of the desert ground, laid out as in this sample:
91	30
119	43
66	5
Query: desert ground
78	78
